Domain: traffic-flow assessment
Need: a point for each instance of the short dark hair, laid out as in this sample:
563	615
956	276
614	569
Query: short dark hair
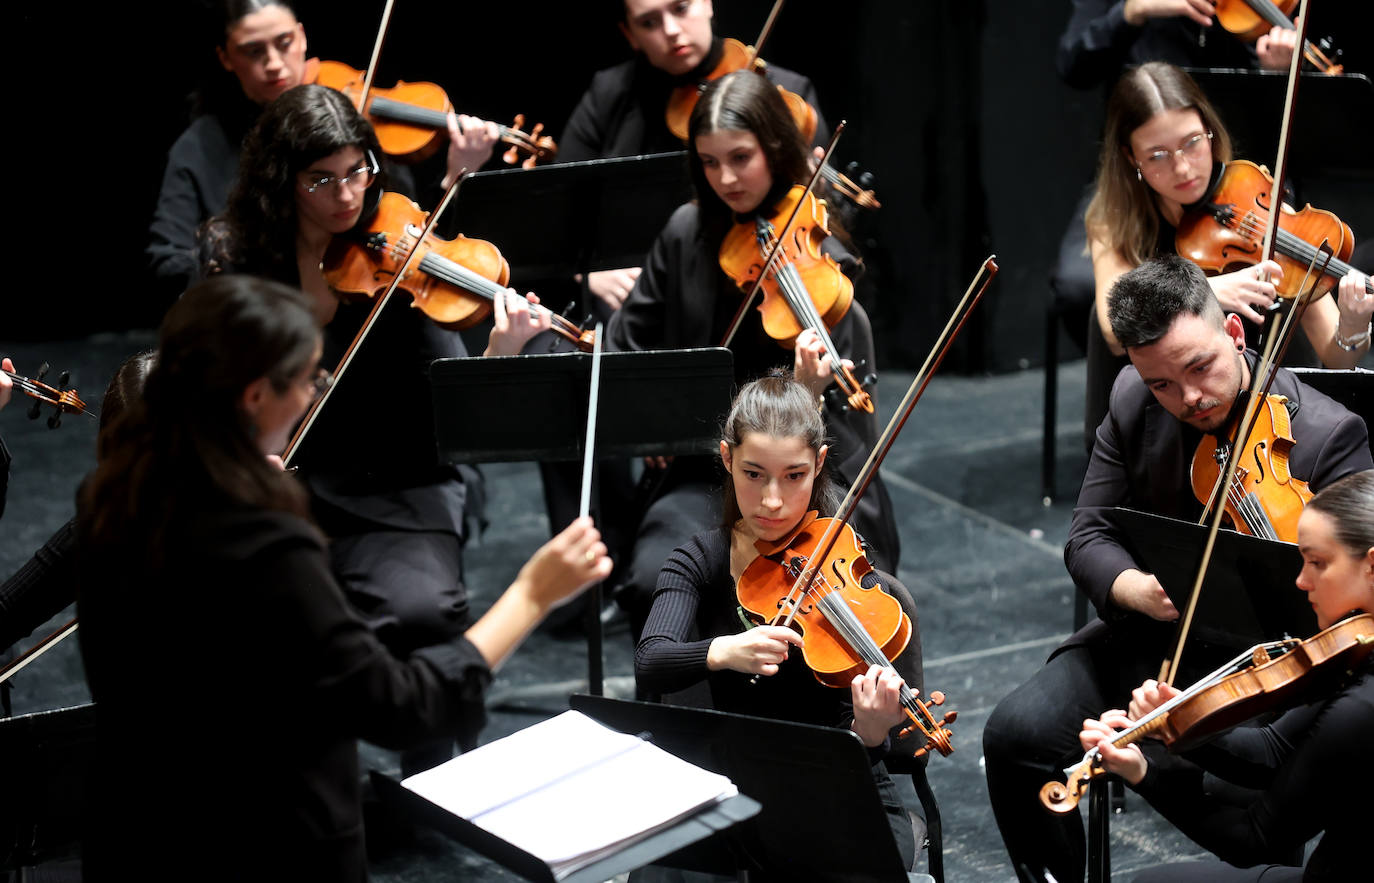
1349	503
1145	301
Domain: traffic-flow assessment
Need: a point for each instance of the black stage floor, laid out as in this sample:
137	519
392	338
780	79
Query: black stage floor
981	554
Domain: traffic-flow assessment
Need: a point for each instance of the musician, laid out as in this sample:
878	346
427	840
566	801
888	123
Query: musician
774	453
1161	151
622	111
1188	364
1311	766
263	45
745	154
393	512
232	677
1103	36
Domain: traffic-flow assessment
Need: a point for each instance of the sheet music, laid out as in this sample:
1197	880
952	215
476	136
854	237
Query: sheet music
570	790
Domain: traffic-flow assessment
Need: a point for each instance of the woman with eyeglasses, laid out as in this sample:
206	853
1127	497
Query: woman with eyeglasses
1162	150
232	678
263	45
393	512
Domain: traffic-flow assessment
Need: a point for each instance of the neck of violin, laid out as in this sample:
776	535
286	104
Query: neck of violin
394	111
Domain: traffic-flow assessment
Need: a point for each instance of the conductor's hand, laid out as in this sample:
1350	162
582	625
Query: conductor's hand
1141	592
877	695
1126	762
1136	12
564	566
1149	696
470	141
514	323
758	651
811	363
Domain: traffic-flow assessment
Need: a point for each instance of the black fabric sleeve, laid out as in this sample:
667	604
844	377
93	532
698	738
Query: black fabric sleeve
1095	42
40	589
667	659
641	322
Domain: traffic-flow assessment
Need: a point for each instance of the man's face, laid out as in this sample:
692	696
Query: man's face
1195	370
674	35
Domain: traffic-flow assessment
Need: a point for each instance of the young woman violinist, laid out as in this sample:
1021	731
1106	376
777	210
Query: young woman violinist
1161	151
395	515
232	677
745	155
263	45
774	453
1311	766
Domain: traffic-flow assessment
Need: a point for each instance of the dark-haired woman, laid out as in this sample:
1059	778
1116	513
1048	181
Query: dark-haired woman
232	677
393	512
1311	767
774	453
745	155
263	45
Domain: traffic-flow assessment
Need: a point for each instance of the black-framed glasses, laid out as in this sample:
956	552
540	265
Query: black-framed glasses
361	177
1191	149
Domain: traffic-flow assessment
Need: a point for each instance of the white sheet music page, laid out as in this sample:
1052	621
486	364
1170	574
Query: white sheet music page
570	790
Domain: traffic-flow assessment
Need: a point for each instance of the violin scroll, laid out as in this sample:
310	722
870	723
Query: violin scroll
537	146
62	399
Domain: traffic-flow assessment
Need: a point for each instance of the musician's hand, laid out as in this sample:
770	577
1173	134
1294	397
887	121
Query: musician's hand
1127	762
1356	305
277	461
657	462
1136	12
5	384
877	696
470	143
514	323
1141	592
613	286
758	651
1149	696
1275	49
811	364
1248	292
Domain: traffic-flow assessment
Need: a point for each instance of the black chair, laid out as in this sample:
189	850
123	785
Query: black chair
44	763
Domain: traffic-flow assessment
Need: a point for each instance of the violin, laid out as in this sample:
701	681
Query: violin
1263	499
1226	230
63	399
411	119
845	627
803	287
1251	19
453	282
735	57
1267	677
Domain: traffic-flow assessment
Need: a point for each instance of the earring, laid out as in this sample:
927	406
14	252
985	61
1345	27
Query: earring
1138	176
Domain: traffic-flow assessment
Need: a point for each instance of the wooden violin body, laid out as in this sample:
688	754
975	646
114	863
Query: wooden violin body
411	119
1264	498
735	57
1249	20
1226	232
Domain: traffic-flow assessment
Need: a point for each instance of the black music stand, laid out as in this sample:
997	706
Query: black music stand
795	770
699	826
1333	129
651	403
553	221
1249	594
45	762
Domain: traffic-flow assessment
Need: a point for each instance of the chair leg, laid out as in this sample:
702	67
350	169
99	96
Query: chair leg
935	849
1047	439
1099	832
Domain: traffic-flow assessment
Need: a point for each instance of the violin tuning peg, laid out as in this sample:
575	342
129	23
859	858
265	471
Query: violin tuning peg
35	409
866	180
937	697
42	371
851	168
55	420
63	378
951	717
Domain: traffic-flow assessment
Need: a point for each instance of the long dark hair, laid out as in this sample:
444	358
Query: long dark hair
1122	212
744	101
186	439
1349	503
257	232
779	407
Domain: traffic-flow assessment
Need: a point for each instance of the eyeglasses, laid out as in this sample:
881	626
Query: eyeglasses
320	383
1191	149
361	177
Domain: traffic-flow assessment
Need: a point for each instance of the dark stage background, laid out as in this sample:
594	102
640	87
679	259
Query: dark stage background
955	107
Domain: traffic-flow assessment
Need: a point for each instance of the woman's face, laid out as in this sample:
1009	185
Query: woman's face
736	168
1336	582
339	182
773	478
266	51
273	413
1173	151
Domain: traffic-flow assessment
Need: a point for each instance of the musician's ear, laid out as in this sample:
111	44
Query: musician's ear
1235	329
725	454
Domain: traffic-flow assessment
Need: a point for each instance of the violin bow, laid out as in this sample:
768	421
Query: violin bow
780	237
757	48
37	650
589	444
1263	375
309	420
376	56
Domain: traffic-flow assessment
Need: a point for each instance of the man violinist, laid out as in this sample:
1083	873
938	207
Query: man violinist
622	111
1188	366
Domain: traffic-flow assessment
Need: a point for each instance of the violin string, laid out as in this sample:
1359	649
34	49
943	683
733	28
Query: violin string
794	291
1291	245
